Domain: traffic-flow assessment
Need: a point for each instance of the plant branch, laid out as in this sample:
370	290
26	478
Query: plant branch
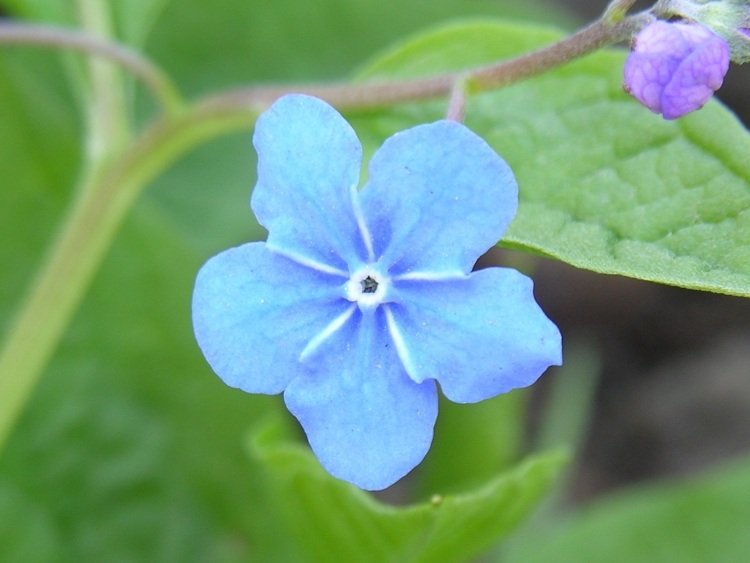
50	36
108	128
374	94
457	102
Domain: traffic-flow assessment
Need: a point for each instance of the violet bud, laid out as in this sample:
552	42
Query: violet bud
729	19
674	68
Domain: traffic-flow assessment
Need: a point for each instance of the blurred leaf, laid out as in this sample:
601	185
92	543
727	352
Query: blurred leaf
704	520
27	534
605	184
52	11
327	516
134	19
130	443
489	436
240	42
131	448
38	160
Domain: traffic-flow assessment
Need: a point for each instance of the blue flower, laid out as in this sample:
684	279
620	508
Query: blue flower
361	301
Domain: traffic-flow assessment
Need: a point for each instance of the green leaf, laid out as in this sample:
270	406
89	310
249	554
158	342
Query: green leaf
605	185
134	19
328	516
695	522
238	42
489	436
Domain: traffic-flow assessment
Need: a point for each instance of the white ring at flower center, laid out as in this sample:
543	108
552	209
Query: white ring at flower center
361	292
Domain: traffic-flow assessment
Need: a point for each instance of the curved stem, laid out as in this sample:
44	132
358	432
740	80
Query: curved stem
369	95
587	40
50	36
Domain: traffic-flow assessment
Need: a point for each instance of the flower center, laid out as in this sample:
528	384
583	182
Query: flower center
369	285
367	288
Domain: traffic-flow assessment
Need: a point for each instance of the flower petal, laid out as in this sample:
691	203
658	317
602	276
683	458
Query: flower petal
366	420
438	196
254	312
478	336
309	161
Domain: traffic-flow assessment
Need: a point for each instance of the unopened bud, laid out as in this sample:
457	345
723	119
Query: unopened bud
674	68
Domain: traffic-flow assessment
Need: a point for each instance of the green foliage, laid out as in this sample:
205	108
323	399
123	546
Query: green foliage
38	158
132	450
130	443
694	522
489	436
605	185
244	42
32	537
57	11
327	516
133	19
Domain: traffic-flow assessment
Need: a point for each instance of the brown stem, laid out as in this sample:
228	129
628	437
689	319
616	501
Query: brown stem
368	95
457	102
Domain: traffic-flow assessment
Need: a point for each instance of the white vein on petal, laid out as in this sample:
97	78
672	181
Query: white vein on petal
327	332
360	218
309	262
400	343
429	276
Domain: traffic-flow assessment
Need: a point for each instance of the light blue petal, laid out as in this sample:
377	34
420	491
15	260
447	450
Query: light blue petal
309	161
438	197
366	420
478	336
254	312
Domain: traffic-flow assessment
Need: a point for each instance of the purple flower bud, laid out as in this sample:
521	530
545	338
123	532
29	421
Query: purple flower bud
674	68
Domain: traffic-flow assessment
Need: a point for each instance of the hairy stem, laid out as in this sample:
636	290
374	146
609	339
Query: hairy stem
50	36
369	95
457	102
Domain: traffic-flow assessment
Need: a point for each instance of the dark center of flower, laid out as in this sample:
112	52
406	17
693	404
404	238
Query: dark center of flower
369	285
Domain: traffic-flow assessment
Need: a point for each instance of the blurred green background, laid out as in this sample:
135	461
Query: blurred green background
132	450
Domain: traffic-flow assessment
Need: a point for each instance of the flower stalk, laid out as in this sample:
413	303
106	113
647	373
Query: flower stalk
369	95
